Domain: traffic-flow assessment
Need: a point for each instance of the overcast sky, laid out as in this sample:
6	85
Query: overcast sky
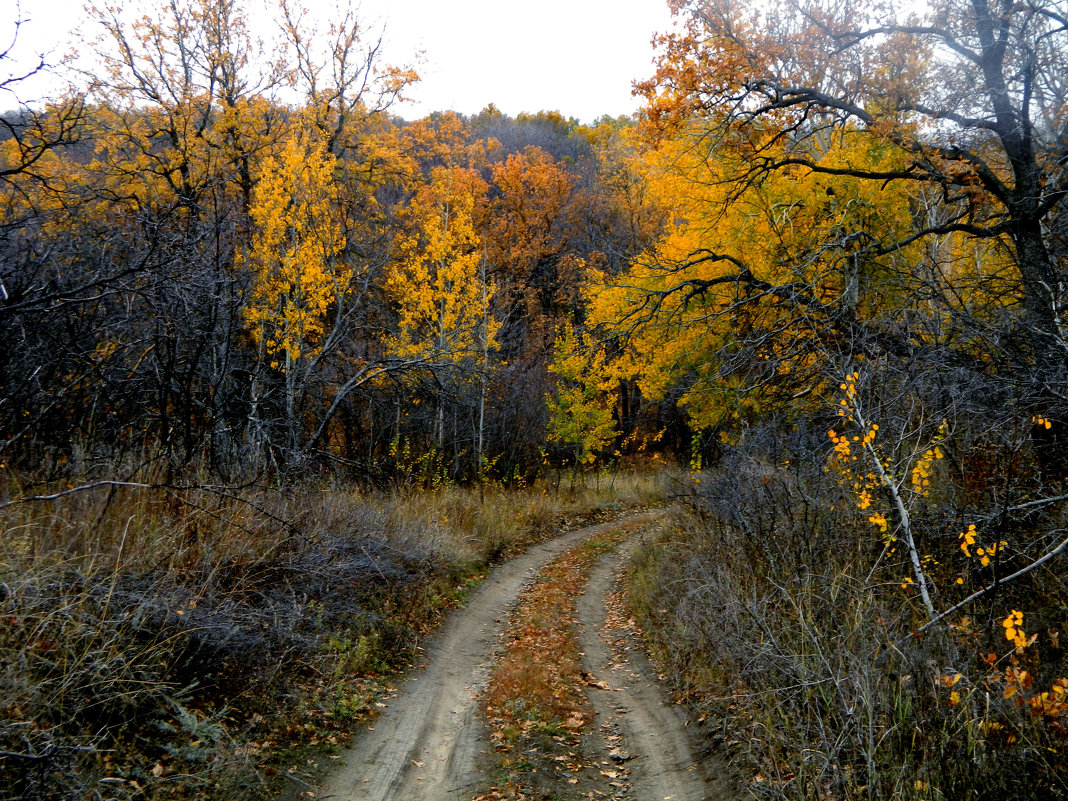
578	57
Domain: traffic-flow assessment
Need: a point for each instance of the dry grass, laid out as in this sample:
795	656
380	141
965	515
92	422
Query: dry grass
491	523
189	643
766	612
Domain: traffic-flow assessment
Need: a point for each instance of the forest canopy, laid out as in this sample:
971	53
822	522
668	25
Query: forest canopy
198	266
200	271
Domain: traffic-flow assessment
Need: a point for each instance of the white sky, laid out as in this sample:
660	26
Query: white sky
578	57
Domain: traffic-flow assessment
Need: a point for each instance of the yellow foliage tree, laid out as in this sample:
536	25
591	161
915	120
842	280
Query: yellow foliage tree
439	285
294	256
747	282
294	251
580	414
437	281
957	89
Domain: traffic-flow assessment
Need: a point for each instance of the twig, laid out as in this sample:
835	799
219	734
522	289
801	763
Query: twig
82	488
171	489
979	593
299	781
1039	502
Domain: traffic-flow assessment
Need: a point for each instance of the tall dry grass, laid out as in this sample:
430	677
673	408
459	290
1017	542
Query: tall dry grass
163	642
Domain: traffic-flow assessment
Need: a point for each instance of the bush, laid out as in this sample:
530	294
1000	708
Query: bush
781	613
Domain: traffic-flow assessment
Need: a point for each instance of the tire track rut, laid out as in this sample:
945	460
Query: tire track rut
635	720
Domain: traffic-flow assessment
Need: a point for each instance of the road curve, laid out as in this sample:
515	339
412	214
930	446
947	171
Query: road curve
424	745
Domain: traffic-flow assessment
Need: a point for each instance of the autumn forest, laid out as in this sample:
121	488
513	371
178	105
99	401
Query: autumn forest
283	374
249	284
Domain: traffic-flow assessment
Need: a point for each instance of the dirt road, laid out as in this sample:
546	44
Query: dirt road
637	723
425	745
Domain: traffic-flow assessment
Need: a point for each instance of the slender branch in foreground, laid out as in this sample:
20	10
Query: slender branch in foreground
981	592
84	487
171	489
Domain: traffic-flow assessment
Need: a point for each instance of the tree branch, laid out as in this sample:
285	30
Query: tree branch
980	593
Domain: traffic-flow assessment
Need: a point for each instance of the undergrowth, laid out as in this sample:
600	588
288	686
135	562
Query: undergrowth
206	642
778	608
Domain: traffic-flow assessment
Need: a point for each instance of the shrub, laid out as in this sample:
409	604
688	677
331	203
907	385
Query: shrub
781	613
